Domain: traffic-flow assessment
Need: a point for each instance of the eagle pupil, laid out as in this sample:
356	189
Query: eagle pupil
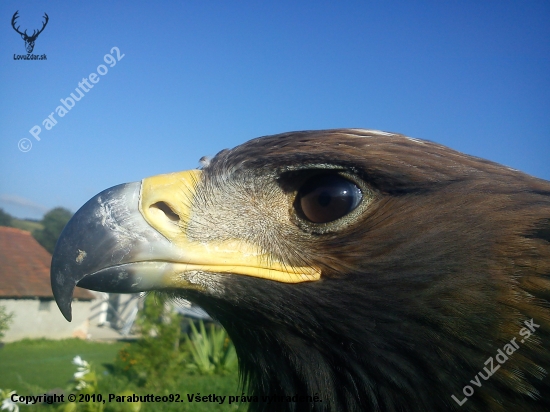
324	199
327	197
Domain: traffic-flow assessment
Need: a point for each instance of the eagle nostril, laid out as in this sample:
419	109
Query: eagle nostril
167	210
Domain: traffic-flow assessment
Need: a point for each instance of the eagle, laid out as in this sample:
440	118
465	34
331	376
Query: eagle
354	270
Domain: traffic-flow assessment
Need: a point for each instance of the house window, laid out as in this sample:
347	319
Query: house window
45	305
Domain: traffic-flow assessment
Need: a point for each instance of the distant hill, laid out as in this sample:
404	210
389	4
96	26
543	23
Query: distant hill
30	225
46	231
25	224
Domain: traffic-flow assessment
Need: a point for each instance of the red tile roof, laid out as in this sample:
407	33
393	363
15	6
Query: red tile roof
25	267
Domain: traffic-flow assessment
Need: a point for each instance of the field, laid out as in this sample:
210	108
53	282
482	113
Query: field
27	225
32	367
46	364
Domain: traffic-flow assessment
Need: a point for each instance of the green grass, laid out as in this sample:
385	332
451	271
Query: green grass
47	364
27	225
34	366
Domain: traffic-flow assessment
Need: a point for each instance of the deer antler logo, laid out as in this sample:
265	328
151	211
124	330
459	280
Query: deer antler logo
29	40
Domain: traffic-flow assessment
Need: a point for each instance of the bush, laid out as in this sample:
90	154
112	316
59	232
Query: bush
156	358
5	320
86	385
211	352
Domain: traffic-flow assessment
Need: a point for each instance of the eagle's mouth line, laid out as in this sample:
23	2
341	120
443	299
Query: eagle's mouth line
169	273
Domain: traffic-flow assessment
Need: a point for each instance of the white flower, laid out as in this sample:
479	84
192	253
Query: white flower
81	385
9	405
81	373
78	361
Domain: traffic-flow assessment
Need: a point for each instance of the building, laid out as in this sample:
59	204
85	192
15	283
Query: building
26	292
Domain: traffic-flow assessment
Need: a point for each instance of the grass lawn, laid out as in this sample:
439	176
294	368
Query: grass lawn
33	366
47	364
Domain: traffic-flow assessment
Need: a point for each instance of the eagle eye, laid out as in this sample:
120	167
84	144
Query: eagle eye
327	197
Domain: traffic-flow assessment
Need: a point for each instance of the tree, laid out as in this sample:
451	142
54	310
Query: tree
5	320
156	359
54	221
5	219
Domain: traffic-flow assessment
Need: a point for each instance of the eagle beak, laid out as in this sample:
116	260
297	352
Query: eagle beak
133	238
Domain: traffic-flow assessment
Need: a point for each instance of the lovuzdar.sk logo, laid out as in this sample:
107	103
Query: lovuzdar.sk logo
29	40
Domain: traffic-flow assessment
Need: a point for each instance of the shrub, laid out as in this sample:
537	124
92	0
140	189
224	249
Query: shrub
211	352
5	320
89	398
156	358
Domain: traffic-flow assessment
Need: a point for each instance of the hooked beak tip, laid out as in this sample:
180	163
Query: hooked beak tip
63	297
67	312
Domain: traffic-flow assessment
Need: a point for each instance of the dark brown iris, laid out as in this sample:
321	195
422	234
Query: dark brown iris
327	197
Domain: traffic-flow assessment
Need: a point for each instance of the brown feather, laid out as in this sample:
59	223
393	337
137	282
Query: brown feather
447	260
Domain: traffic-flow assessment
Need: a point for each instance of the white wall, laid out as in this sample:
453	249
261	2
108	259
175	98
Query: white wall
34	318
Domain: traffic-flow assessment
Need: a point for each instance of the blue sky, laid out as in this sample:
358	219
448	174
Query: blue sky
201	76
